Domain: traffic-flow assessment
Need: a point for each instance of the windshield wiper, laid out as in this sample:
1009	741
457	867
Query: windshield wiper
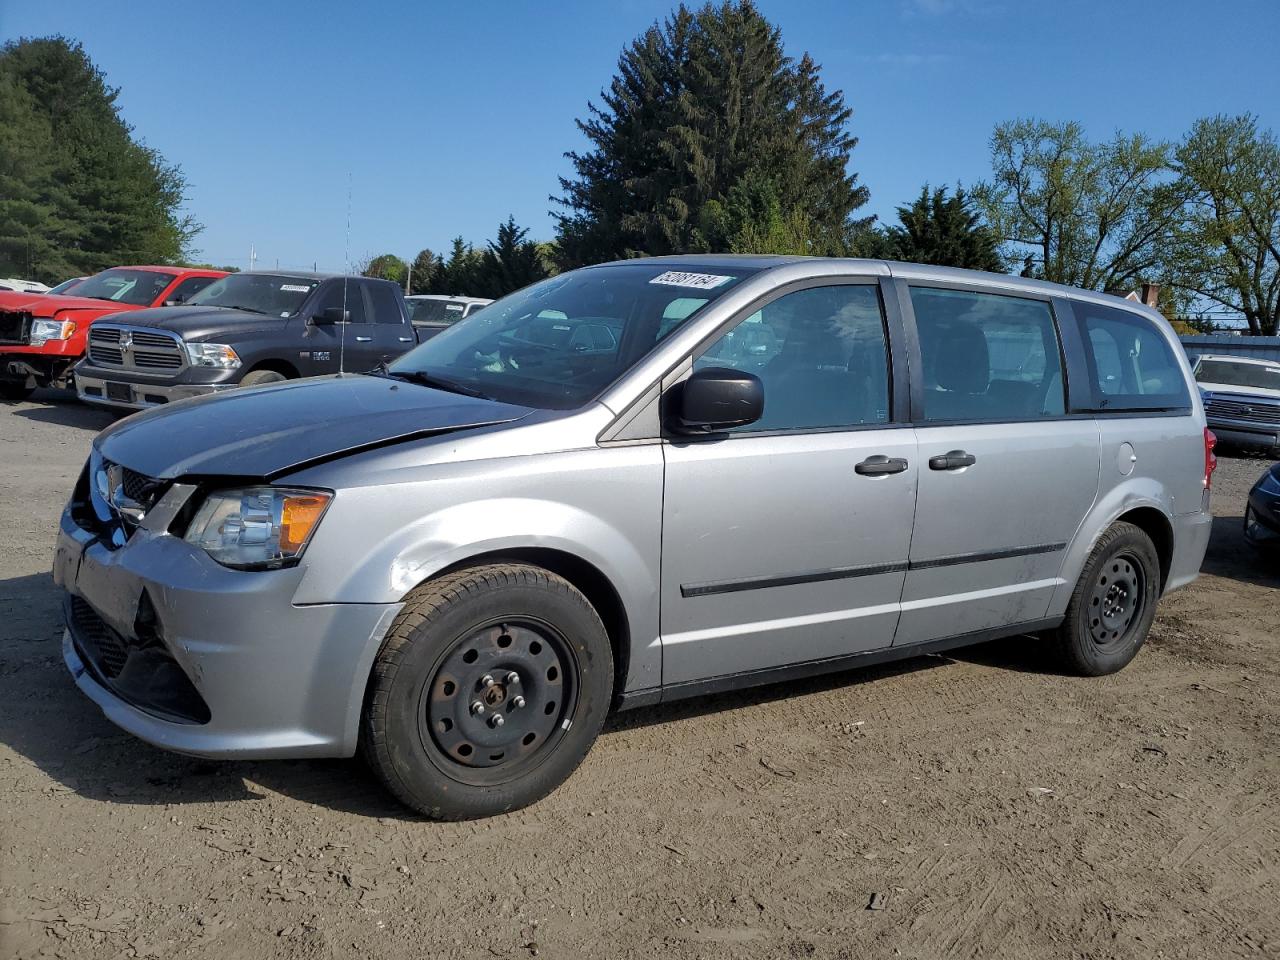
422	378
439	383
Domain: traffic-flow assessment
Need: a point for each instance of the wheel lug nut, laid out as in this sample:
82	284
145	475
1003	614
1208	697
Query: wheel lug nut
496	720
477	707
517	702
513	677
486	680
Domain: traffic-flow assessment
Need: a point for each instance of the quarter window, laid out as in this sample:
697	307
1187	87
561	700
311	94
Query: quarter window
1132	366
987	357
821	355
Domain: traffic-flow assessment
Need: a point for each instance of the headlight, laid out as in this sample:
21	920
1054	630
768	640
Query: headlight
218	355
257	527
42	330
1270	483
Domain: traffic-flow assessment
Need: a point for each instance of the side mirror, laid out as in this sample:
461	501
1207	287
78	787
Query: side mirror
331	315
717	398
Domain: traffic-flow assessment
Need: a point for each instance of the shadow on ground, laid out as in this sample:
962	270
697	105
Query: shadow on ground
62	408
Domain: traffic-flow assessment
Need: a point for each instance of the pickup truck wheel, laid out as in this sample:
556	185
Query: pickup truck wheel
255	377
488	692
1113	604
14	392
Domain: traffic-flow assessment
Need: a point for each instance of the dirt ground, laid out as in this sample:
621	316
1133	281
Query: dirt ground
975	806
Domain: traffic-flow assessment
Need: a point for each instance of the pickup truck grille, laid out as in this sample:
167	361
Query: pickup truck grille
1251	412
133	348
15	328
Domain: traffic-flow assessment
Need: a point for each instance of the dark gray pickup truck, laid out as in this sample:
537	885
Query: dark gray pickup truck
245	329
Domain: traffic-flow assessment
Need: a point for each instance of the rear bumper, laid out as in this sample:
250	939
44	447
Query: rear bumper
91	387
212	662
1190	541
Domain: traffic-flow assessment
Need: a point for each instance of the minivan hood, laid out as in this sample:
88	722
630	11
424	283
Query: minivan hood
270	430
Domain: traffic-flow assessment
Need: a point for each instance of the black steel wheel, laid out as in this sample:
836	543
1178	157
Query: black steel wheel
1116	601
499	700
1113	604
489	690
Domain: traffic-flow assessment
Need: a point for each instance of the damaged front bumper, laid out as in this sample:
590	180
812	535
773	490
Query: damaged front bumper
197	658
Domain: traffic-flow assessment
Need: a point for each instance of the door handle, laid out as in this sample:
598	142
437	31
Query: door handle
879	465
952	460
405	339
364	339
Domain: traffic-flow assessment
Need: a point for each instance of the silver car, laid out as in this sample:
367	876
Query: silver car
624	485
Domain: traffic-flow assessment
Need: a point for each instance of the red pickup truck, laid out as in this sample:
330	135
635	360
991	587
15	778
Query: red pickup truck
42	336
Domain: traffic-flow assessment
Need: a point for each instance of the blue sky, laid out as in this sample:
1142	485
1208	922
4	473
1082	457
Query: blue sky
447	117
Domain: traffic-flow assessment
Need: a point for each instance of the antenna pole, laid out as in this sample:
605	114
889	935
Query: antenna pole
346	280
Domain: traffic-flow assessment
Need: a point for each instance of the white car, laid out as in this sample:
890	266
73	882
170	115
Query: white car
1241	399
23	286
432	312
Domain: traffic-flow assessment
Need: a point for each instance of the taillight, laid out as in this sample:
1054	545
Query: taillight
1210	458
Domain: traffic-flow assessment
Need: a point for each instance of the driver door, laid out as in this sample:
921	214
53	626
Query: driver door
779	544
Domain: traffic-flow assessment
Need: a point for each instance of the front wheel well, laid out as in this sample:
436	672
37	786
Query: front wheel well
588	579
1156	526
283	367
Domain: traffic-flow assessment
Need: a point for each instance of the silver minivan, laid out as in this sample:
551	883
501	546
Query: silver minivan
624	485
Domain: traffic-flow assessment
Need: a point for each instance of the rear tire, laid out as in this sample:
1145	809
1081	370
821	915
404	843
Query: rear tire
1113	604
256	377
12	392
508	641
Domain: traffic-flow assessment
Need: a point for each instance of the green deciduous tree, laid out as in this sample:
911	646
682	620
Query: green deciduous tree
1092	215
943	229
386	266
1226	244
77	191
711	138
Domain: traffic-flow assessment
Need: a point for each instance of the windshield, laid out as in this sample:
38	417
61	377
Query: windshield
558	343
436	312
137	287
274	295
1237	374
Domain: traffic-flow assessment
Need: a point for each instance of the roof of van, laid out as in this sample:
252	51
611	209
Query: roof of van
906	271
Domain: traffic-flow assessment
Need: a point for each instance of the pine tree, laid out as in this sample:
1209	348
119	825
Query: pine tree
708	119
510	262
426	266
79	193
944	230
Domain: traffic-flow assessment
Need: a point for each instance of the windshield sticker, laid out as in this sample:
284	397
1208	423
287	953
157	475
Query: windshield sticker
453	306
294	288
702	281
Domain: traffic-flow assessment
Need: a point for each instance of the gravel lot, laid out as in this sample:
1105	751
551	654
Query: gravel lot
981	805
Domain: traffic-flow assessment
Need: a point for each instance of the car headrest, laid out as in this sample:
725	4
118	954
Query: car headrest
963	363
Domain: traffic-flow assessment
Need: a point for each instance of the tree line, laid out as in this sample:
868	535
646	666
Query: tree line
710	137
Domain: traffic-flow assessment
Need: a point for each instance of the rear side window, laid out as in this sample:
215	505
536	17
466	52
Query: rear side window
386	307
1131	365
987	357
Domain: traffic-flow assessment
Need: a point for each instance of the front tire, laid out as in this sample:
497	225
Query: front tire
12	392
256	378
489	690
1113	605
